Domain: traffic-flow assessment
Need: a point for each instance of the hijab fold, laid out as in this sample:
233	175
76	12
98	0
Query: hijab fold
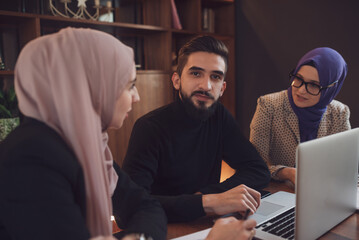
71	80
331	67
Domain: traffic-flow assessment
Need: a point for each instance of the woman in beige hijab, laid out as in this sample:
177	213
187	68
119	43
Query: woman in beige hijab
56	170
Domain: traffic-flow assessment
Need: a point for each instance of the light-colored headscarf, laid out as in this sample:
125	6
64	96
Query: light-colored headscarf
71	80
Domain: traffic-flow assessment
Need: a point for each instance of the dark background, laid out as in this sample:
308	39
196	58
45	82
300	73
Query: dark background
271	37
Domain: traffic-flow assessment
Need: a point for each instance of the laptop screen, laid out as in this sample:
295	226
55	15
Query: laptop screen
326	182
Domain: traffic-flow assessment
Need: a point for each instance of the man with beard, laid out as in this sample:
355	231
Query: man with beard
175	152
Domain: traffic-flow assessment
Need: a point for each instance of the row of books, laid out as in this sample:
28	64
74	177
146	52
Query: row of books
130	12
208	18
28	6
9	48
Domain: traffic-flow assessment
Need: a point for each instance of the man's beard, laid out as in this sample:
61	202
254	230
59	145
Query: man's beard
201	112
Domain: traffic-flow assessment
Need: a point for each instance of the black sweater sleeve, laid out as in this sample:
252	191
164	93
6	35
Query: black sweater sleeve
141	164
136	211
240	154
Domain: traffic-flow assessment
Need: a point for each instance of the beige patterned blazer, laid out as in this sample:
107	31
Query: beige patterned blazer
274	129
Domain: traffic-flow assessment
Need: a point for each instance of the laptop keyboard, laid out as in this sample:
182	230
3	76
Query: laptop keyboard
282	225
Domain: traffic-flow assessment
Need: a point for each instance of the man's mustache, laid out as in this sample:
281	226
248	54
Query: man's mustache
203	93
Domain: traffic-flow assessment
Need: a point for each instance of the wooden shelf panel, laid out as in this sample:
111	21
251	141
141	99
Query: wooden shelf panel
61	21
183	32
11	73
151	72
219	1
6	73
216	3
7	17
15	16
177	32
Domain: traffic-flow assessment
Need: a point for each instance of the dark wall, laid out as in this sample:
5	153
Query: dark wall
271	37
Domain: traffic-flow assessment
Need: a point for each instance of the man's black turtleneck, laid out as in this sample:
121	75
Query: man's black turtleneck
174	156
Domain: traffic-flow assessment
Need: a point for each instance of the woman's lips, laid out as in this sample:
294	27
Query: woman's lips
301	98
128	112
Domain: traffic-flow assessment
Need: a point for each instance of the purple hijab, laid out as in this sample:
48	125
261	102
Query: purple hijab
331	67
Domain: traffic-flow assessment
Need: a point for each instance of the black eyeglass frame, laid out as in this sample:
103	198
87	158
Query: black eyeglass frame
291	75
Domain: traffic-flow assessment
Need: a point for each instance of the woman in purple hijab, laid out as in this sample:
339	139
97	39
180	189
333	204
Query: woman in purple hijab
305	111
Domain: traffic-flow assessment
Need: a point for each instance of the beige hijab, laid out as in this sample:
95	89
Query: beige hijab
71	80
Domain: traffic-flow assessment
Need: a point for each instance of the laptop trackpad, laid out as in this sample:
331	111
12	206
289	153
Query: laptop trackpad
267	208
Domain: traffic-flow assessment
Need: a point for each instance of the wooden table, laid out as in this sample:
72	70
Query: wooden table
348	229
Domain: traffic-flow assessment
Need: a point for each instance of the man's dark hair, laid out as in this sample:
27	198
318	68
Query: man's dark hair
201	44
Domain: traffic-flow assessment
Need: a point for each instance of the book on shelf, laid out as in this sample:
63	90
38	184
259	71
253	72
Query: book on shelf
129	12
137	44
9	47
2	63
11	6
30	6
208	20
25	6
176	23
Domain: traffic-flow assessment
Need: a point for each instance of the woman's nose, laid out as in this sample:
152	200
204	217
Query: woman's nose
136	96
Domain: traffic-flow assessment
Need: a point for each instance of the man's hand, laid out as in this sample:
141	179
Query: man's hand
232	229
237	199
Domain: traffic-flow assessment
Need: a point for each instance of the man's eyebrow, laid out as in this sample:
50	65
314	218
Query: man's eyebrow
196	68
201	69
219	72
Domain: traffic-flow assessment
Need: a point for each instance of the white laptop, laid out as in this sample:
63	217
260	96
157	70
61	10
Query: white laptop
327	178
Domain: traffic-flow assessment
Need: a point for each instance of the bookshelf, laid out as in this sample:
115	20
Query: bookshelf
146	26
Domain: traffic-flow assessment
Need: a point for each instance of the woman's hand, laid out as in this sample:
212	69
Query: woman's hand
232	229
287	173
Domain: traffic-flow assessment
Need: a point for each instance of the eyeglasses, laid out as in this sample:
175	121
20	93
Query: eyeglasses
312	88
